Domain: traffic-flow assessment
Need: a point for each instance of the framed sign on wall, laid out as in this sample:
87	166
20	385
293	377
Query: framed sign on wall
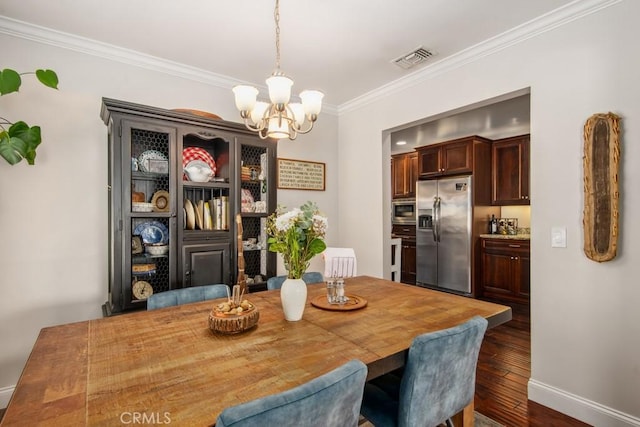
301	175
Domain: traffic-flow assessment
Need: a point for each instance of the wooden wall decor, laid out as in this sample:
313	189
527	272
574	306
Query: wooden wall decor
601	162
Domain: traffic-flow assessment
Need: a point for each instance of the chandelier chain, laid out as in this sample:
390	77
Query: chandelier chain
276	16
280	118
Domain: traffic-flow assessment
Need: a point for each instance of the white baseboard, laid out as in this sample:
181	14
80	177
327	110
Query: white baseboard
5	395
579	408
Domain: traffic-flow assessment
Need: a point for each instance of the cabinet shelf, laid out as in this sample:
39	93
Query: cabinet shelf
150	214
149	273
145	257
191	184
254	214
148	176
205	234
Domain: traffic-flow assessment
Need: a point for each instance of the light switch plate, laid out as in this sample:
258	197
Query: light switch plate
558	237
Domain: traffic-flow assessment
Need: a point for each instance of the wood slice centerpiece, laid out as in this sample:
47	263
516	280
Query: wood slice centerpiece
234	315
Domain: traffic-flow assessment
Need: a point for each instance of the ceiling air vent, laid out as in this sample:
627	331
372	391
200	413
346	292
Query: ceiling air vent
413	58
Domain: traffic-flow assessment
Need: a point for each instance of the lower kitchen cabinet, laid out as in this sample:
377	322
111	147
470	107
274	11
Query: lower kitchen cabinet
505	269
408	260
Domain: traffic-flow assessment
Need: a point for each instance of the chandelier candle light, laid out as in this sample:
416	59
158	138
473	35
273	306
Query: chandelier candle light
281	118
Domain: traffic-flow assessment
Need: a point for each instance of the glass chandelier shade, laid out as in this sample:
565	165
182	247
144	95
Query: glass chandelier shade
280	118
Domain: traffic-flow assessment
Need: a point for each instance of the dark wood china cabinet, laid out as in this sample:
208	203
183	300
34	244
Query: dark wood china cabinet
154	205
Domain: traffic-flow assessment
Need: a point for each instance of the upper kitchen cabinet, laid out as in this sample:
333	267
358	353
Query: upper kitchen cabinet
455	157
404	174
510	171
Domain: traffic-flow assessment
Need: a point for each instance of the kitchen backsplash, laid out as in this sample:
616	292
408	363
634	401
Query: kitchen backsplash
523	213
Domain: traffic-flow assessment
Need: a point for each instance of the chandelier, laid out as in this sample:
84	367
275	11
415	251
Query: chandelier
280	118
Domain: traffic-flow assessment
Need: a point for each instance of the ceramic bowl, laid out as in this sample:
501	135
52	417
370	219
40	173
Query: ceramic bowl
157	249
198	171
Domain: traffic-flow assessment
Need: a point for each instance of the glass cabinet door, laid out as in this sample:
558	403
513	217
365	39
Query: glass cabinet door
149	211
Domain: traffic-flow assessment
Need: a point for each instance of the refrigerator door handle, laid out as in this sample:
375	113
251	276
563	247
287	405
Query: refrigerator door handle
435	219
438	200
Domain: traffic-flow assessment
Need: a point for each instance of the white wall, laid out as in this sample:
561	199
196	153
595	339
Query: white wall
53	216
585	321
324	148
585	317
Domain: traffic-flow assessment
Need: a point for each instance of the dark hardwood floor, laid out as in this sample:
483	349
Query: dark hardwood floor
504	368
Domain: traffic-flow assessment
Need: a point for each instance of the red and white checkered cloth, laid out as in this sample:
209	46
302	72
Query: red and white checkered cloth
196	153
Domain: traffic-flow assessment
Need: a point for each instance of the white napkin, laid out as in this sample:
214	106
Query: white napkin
339	262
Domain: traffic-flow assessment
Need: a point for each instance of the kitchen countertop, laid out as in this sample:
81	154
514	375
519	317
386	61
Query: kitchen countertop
506	236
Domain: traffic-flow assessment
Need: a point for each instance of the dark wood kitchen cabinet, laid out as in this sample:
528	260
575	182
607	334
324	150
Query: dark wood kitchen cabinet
404	174
408	253
505	269
510	171
456	157
408	268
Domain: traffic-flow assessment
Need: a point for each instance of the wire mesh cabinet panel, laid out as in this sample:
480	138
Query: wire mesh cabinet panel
256	199
142	211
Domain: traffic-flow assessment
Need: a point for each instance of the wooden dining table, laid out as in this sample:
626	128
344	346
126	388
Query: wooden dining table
167	367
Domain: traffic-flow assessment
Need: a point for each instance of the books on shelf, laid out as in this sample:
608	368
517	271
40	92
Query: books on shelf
219	213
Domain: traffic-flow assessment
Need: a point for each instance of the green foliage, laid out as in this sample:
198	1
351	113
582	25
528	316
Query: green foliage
21	140
297	235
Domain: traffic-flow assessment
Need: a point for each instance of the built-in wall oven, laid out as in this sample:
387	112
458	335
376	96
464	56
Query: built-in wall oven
403	211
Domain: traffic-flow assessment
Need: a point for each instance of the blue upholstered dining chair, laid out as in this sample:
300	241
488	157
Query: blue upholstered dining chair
186	295
309	278
330	400
437	382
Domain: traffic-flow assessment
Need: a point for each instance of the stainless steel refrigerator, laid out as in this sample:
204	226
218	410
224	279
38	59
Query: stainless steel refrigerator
443	234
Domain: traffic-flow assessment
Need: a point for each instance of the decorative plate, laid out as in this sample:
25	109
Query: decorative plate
141	290
196	153
136	245
143	159
198	113
190	224
200	215
160	201
152	232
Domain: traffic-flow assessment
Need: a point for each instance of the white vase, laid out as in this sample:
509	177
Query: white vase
293	295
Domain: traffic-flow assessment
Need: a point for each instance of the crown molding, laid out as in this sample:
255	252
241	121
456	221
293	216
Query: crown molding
48	36
561	16
547	22
87	46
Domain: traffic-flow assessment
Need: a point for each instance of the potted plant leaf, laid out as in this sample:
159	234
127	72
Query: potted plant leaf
19	140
